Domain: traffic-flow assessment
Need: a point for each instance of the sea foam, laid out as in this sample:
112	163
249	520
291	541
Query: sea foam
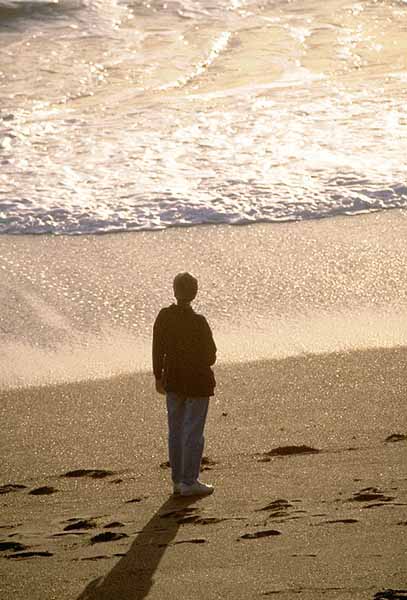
124	116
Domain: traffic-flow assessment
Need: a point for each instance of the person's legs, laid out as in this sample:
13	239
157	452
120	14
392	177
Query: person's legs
176	416
196	410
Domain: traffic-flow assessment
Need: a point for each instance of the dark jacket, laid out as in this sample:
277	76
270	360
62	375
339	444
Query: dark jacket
183	351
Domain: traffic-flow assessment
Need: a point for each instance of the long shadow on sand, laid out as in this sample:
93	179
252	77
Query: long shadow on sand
132	577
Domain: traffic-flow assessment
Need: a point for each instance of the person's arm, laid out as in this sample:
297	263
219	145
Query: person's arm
158	352
209	344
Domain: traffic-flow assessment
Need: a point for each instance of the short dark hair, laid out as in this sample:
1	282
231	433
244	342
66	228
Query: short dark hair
185	286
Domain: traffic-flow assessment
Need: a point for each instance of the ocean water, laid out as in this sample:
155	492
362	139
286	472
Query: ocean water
136	115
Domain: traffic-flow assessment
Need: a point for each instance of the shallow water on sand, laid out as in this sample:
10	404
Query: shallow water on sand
83	307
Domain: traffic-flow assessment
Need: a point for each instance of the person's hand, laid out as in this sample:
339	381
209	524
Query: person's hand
159	387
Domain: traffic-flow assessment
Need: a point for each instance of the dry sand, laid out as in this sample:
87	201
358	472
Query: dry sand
329	523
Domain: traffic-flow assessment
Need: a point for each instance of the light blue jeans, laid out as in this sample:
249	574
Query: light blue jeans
186	422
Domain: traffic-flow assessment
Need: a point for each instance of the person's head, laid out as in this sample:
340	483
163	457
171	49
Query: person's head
185	287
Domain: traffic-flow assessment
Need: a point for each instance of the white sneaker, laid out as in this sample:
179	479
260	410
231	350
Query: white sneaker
196	489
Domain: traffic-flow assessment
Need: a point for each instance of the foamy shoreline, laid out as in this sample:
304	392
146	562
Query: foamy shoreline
234	112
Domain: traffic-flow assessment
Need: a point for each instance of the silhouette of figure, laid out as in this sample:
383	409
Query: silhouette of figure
183	353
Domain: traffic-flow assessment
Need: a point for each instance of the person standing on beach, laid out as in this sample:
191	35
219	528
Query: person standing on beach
183	353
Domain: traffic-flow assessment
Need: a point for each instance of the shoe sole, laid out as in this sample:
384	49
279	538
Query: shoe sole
196	493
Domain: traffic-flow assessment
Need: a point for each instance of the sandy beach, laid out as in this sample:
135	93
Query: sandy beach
261	147
307	455
306	442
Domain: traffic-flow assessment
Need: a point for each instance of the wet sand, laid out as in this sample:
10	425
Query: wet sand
83	307
307	455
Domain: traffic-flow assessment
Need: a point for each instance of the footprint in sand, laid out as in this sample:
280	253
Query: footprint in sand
113	524
135	500
197	520
99	557
396	437
108	536
280	504
260	534
280	509
214	520
186	515
80	524
370	494
344	521
11	487
15	546
390	594
191	541
207	464
30	554
43	491
93	473
281	451
178	513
